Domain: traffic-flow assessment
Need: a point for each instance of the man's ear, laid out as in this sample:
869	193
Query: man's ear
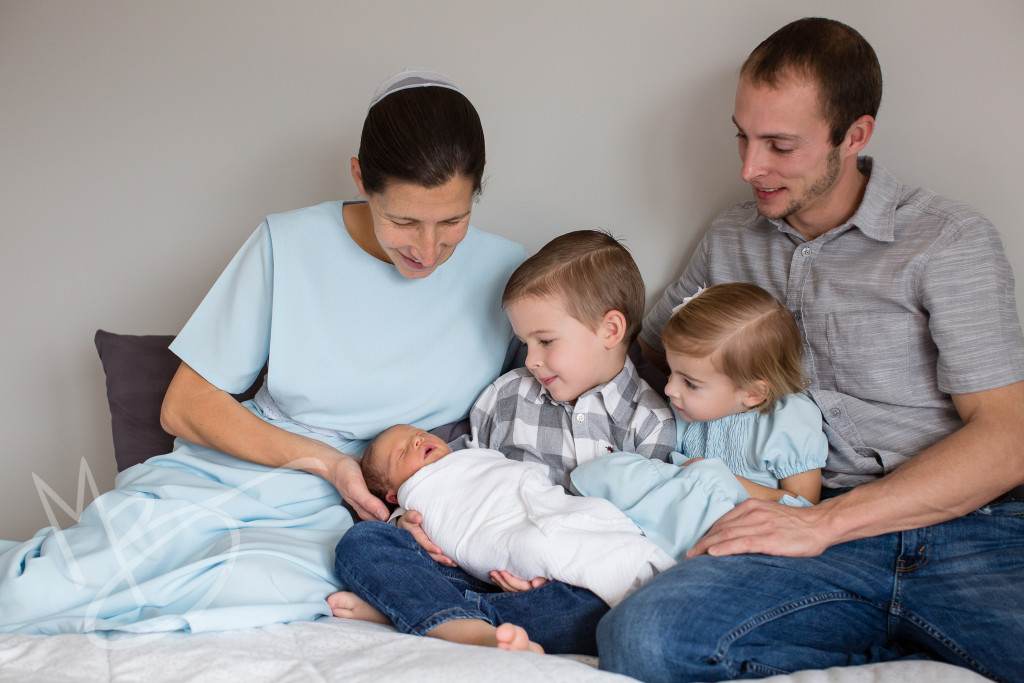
357	176
391	496
612	329
755	394
859	134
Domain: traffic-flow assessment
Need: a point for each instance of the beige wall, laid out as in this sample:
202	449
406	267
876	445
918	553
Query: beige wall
141	142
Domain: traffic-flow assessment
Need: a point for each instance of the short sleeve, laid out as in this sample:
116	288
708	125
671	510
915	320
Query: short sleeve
227	339
967	287
694	276
790	440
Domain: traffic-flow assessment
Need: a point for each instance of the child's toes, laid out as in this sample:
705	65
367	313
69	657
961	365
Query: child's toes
512	637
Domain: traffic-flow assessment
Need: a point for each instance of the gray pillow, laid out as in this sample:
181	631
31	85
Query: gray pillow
139	369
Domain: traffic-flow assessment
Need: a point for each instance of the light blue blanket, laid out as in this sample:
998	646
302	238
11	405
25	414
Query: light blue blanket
195	540
673	505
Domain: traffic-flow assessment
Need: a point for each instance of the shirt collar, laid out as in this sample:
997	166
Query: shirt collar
876	215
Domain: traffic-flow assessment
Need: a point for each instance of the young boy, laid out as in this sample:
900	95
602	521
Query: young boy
576	304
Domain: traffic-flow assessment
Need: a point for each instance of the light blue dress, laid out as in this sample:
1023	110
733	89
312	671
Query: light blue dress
674	505
197	540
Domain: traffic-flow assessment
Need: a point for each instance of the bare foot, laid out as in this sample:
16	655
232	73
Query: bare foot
512	637
479	632
350	606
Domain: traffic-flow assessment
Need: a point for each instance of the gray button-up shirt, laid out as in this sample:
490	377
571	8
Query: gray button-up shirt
908	302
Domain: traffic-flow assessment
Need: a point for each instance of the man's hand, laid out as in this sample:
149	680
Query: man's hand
963	471
411	521
759	526
513	584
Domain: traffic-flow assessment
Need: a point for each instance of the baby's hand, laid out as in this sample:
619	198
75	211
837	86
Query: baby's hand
411	521
513	584
691	461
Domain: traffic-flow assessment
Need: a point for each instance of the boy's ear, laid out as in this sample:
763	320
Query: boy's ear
612	329
391	496
755	394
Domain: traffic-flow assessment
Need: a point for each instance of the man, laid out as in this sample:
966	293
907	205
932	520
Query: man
916	360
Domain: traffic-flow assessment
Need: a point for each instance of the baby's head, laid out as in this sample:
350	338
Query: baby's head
731	348
396	454
577	304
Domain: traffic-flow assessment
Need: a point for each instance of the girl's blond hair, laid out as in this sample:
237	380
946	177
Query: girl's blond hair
749	336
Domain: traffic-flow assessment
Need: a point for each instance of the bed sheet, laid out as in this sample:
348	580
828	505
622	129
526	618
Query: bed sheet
340	650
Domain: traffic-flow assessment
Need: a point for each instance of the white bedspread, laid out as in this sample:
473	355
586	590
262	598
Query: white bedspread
343	651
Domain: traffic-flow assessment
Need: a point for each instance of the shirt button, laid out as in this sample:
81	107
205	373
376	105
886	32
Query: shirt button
835	412
806	251
580	417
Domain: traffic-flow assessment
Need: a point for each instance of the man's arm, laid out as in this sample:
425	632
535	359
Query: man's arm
962	472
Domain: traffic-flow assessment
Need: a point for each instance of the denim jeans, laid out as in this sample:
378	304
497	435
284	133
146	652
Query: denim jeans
385	566
952	592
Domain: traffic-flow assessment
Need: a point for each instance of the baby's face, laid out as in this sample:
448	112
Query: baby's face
405	450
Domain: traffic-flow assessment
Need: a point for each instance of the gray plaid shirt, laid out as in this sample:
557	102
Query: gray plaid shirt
515	415
908	302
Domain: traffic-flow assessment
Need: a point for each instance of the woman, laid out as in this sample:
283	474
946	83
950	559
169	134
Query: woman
370	313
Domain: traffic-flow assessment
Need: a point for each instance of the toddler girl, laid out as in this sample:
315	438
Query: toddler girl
743	430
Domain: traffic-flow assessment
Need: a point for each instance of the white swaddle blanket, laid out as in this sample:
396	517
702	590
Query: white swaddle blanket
487	512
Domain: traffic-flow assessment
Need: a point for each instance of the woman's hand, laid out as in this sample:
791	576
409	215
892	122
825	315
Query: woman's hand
513	584
345	475
198	411
411	521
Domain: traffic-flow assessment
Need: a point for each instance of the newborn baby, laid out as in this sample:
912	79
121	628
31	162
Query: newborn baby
487	512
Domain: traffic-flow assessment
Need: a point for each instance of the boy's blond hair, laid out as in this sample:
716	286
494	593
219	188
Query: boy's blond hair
748	334
589	273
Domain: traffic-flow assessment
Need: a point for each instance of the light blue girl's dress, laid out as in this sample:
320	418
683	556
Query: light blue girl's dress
674	505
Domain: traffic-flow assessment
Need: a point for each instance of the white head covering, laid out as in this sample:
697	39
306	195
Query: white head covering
412	78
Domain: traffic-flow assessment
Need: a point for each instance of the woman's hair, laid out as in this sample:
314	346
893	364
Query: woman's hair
426	136
748	335
834	56
589	273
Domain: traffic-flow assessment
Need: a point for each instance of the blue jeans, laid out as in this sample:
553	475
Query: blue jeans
385	566
952	592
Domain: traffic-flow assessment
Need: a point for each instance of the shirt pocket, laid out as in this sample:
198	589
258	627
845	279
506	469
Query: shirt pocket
870	354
